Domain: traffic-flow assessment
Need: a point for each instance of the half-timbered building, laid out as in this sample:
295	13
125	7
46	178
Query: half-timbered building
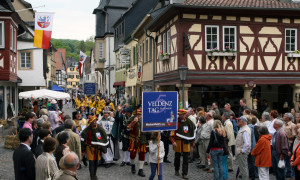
233	49
10	26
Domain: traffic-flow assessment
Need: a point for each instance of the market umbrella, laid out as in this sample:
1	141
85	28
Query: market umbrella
44	94
57	88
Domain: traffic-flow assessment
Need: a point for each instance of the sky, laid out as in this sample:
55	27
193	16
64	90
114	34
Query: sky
73	19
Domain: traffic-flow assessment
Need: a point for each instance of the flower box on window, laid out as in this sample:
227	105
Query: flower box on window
221	53
293	55
166	57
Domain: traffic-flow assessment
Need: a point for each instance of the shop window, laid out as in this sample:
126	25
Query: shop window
290	40
8	95
211	37
13	96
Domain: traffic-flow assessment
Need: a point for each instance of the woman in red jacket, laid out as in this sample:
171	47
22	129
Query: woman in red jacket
262	153
295	160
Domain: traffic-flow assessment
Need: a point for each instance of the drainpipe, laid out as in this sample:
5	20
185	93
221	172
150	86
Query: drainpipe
153	60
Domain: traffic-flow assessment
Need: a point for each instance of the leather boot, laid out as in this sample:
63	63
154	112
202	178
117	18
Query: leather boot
133	171
141	173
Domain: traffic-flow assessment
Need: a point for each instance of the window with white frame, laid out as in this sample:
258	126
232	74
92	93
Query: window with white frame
15	40
229	37
2	35
147	51
143	51
150	49
169	41
290	40
100	50
26	60
211	37
11	37
164	43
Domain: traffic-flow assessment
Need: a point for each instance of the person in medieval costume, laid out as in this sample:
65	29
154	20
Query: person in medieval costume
123	119
138	142
106	123
181	140
82	111
80	124
95	143
91	117
116	132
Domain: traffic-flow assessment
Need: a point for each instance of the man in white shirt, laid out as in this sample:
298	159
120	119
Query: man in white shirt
273	116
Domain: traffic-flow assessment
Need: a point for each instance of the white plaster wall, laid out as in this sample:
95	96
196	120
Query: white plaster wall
35	76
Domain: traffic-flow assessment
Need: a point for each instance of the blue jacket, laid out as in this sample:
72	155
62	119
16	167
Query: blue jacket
253	141
235	126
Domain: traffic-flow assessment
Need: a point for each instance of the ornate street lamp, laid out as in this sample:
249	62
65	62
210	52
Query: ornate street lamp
183	70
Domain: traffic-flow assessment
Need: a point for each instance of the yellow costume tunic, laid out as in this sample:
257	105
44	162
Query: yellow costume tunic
112	106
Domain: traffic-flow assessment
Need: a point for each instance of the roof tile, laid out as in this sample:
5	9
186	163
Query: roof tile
272	4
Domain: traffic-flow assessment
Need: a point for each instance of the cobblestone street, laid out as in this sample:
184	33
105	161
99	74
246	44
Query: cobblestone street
115	172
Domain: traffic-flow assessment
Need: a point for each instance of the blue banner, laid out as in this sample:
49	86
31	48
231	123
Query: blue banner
90	88
159	111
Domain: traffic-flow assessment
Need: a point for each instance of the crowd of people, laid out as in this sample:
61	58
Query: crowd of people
54	145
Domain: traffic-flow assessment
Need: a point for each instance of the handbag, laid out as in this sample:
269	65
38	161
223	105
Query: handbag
225	149
281	164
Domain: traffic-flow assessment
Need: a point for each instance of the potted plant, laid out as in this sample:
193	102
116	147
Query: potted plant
161	56
227	52
166	56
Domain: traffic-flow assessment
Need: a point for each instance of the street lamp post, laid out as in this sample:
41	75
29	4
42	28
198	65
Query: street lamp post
182	70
